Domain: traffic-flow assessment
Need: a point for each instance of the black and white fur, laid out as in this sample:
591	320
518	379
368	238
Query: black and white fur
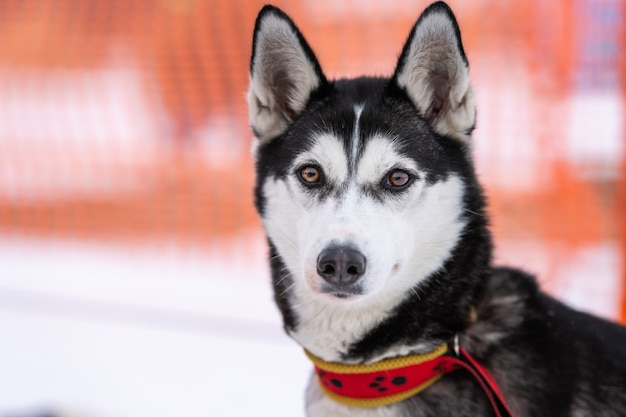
409	261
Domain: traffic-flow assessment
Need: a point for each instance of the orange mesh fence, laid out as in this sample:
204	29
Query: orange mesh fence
125	120
622	66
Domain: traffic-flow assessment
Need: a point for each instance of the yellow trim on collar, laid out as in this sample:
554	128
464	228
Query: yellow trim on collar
383	365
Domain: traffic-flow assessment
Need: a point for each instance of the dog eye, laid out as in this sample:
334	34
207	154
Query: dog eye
311	174
398	178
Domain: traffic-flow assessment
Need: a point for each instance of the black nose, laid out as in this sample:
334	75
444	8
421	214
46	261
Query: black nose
340	265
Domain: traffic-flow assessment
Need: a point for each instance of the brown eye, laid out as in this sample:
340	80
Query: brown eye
310	174
398	178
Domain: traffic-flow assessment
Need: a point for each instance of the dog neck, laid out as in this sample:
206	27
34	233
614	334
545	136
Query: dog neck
393	380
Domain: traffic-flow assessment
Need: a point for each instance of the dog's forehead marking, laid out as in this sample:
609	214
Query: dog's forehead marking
356	135
340	162
379	156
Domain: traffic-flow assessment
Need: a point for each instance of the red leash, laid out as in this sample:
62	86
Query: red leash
485	380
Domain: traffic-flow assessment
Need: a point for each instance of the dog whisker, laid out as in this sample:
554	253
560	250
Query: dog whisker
473	212
414	291
282	279
287	289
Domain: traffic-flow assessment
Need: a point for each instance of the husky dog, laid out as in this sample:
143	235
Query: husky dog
379	242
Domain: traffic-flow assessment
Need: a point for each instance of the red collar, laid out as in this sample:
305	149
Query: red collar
393	380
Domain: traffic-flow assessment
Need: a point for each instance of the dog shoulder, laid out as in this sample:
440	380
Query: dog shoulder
502	309
536	345
513	306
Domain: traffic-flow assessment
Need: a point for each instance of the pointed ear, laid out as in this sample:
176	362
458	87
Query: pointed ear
283	74
434	72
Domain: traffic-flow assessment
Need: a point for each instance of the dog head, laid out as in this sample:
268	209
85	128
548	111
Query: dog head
365	186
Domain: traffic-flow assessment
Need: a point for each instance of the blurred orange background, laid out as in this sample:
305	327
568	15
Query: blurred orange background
124	121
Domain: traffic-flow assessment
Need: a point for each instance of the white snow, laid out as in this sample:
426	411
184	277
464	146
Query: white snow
119	331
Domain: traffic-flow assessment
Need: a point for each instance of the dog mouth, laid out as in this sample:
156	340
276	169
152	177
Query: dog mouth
342	292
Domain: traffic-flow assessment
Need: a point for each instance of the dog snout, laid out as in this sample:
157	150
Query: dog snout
340	265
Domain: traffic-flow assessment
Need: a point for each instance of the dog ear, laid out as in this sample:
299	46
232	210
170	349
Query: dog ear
434	72
283	74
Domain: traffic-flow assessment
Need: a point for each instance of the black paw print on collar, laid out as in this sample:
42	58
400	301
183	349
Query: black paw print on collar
445	367
380	383
322	375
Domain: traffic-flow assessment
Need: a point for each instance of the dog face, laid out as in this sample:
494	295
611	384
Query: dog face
358	213
362	184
